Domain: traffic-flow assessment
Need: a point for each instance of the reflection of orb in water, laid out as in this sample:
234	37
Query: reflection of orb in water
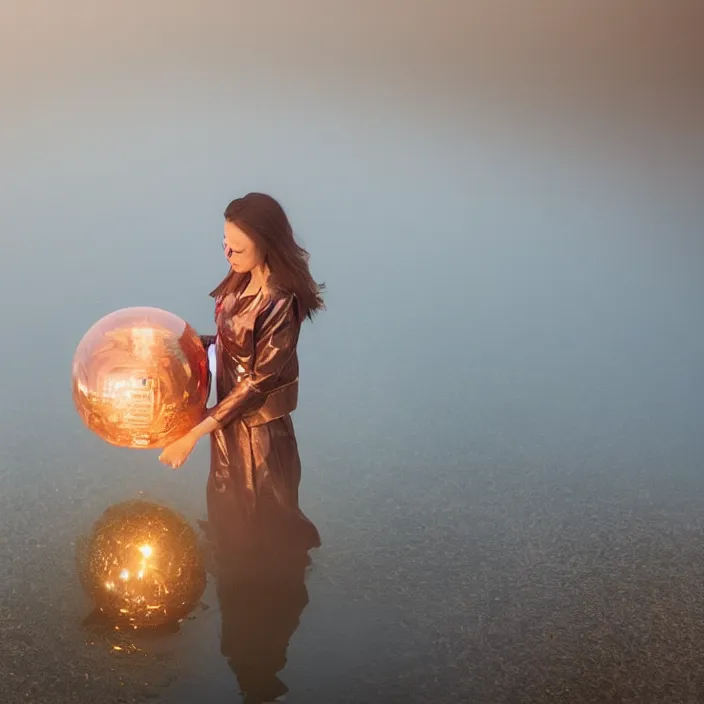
142	565
140	378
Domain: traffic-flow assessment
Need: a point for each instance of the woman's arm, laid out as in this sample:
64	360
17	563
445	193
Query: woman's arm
276	342
205	427
175	454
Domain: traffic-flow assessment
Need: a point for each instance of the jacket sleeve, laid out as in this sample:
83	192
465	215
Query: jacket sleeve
275	343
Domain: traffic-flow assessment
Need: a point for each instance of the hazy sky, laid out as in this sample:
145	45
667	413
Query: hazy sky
625	76
494	129
625	52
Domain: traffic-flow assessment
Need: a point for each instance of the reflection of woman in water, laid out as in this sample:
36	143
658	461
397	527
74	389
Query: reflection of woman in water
255	468
260	611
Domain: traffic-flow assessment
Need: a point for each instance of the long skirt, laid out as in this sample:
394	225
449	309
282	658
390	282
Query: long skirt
252	492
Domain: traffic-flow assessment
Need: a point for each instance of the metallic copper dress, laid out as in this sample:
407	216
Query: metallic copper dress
255	468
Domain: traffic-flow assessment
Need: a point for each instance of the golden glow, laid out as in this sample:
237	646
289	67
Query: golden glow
143	565
140	378
146	550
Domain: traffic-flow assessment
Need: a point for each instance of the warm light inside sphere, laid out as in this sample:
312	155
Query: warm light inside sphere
142	565
146	550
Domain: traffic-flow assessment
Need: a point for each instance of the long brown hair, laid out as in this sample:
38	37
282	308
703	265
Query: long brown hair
262	218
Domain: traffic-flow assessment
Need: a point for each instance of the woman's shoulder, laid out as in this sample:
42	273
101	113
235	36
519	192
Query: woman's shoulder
278	305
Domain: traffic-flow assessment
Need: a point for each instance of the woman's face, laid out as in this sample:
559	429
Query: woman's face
240	250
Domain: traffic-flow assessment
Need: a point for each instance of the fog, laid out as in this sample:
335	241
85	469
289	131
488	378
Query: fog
500	412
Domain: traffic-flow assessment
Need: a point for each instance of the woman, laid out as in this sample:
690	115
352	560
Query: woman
255	469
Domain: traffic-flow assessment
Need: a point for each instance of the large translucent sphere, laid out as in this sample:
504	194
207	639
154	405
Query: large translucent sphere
140	378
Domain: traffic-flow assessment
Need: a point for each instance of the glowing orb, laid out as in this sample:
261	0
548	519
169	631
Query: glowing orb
140	378
142	565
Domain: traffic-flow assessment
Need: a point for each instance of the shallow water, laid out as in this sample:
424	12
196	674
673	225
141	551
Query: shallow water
500	414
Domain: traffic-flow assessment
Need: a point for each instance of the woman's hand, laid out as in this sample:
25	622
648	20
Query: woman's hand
175	454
